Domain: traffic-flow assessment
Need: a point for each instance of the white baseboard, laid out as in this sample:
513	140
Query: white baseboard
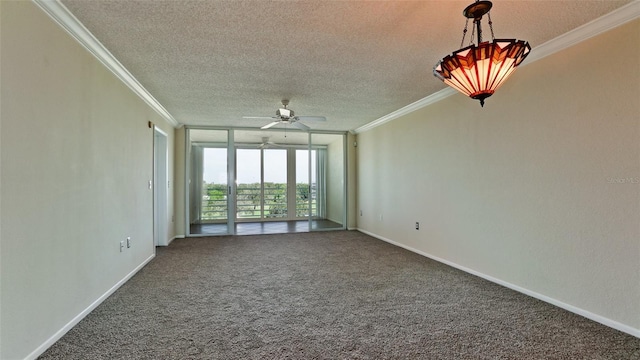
60	333
576	310
175	237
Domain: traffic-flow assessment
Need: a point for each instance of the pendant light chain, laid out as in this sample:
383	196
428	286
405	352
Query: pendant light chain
491	26
473	33
464	33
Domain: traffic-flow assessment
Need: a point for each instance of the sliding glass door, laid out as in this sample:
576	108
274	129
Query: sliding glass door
208	182
249	192
214	185
306	189
262	186
275	184
241	176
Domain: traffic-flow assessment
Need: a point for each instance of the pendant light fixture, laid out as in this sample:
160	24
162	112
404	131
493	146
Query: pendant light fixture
478	70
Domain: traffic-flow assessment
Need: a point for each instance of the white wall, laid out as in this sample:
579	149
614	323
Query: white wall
179	181
77	155
539	189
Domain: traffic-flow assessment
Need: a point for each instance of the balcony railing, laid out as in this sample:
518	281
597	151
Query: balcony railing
275	200
248	202
214	201
302	200
214	209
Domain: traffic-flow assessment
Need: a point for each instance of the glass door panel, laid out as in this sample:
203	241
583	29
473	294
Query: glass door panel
215	186
208	182
275	183
249	193
266	176
305	190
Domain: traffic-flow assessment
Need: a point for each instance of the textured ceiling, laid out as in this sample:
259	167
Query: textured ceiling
211	62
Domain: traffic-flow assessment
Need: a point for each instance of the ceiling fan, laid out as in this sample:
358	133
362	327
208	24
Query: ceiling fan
266	144
286	116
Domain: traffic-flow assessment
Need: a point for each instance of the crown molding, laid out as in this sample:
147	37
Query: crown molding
595	27
61	15
618	17
431	99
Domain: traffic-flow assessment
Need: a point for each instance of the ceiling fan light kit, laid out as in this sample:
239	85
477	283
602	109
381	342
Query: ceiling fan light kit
285	113
478	70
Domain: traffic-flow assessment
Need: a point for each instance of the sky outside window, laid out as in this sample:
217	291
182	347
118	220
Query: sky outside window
248	168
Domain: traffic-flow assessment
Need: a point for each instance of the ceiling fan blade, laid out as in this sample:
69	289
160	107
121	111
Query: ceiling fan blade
259	117
271	143
301	126
270	125
311	118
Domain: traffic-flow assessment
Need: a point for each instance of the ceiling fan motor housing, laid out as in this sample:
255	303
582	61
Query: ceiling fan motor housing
284	113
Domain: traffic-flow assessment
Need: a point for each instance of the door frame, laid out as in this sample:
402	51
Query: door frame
160	187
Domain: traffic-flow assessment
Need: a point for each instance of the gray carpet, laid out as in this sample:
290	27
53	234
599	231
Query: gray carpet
332	295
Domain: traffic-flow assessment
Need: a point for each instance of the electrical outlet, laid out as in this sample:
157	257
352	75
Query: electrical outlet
360	212
380	217
128	242
121	246
417	225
